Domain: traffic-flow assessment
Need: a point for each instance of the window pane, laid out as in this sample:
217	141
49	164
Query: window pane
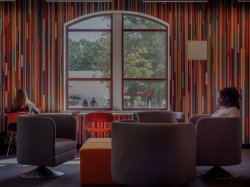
89	94
133	22
145	54
89	54
100	22
144	94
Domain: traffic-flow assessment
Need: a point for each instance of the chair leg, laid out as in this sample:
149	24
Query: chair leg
41	172
11	136
217	172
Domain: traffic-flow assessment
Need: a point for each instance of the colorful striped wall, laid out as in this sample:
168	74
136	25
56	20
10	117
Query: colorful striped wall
31	50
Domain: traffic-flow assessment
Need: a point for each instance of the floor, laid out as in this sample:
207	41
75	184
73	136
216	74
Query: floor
9	170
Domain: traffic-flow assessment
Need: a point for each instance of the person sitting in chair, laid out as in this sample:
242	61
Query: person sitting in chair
21	103
228	102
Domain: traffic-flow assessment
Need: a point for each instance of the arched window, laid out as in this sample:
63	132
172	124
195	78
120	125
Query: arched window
116	60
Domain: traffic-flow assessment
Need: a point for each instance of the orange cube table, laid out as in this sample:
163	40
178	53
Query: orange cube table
95	162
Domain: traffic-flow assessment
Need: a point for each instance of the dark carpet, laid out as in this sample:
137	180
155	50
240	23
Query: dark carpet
9	171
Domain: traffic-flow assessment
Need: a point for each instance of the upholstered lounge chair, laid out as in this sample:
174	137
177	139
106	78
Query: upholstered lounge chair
219	143
153	154
45	140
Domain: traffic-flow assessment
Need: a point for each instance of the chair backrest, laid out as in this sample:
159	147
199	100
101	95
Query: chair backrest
97	123
160	117
152	154
12	117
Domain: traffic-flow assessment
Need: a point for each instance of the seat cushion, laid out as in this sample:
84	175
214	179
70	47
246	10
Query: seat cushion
63	145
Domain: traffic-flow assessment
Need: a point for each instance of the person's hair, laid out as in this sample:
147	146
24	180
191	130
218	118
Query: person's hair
20	100
233	96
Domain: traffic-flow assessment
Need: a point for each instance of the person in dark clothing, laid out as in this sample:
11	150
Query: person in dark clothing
93	102
85	103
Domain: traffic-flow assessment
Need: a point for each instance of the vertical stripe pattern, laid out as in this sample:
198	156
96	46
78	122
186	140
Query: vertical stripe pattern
31	51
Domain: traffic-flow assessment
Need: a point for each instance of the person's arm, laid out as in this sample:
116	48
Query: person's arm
34	109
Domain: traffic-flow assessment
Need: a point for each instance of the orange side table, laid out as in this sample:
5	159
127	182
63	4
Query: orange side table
95	162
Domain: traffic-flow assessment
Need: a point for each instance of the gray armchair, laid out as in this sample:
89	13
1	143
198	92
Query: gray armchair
159	117
219	143
45	140
152	154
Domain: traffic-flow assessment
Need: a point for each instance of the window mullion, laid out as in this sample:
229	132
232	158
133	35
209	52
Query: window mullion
117	61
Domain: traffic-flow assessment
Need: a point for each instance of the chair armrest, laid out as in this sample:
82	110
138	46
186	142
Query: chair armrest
194	118
65	125
35	140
